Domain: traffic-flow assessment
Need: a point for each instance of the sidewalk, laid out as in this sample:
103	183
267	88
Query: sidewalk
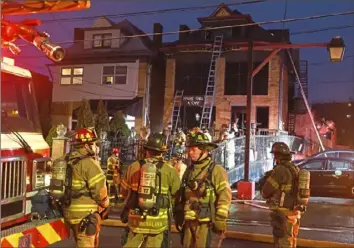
326	219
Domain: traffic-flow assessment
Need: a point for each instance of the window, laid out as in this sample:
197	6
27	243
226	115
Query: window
339	165
102	40
114	75
326	155
236	78
314	165
347	155
71	76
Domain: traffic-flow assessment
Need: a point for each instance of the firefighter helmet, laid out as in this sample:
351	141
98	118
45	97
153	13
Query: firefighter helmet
199	139
84	136
157	142
281	148
115	150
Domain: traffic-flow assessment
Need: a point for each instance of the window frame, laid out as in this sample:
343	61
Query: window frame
114	75
103	38
72	75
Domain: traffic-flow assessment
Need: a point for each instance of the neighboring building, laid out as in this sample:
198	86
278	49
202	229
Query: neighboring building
187	66
108	61
342	114
43	88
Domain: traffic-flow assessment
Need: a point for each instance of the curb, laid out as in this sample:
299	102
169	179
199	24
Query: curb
256	237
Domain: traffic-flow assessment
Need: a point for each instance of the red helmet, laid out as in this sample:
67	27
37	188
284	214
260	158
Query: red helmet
115	150
84	136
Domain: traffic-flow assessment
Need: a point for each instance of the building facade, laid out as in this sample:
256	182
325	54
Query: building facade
342	114
187	67
108	61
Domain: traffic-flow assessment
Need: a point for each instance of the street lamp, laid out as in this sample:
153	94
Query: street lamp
336	49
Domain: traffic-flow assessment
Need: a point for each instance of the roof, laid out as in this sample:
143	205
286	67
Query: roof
224	16
127	29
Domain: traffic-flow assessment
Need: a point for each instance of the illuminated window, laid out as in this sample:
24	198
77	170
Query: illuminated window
102	40
349	104
71	76
114	75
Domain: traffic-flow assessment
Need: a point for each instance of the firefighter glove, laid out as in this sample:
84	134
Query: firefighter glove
219	225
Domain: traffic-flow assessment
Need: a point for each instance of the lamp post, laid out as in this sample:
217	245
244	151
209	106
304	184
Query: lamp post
336	49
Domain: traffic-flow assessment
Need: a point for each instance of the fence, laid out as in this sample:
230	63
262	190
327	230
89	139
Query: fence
230	154
131	149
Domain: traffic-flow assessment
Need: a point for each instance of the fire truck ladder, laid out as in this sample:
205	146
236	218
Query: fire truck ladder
209	96
176	109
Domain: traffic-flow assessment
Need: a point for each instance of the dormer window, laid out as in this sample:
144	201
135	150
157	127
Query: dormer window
102	41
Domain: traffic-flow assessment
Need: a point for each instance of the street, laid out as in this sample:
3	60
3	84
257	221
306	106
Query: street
327	219
111	237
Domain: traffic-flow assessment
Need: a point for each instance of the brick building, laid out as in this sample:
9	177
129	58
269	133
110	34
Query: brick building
187	67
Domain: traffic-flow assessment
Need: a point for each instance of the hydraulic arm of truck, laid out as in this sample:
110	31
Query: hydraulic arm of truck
26	30
21	7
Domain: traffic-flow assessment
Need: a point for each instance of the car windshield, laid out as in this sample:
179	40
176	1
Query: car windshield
18	108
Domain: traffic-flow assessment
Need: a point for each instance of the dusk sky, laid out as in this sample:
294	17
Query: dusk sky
327	81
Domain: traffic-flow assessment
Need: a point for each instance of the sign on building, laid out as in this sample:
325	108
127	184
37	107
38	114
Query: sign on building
193	101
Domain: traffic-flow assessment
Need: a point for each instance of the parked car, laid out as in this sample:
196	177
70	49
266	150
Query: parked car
336	153
333	153
330	176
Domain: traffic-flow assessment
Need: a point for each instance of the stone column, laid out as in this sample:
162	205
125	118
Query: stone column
60	147
273	92
169	90
223	107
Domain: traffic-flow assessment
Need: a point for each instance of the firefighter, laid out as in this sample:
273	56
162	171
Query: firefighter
87	199
114	174
179	164
206	196
149	186
277	190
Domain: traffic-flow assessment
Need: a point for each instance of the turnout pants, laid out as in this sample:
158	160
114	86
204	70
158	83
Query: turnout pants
200	235
285	229
83	240
136	240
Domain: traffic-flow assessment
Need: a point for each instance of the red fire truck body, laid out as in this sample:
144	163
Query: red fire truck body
25	162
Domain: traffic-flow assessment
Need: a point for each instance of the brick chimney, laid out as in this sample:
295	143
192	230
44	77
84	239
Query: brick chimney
183	27
157	38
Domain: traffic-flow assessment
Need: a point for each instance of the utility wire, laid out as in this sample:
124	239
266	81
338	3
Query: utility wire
313	17
154	12
302	91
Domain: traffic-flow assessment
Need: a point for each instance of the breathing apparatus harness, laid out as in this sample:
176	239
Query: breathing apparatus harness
69	193
195	185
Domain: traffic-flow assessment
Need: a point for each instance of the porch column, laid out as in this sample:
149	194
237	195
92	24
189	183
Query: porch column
143	68
169	90
273	92
223	107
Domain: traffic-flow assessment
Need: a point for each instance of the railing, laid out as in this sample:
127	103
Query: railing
230	154
13	187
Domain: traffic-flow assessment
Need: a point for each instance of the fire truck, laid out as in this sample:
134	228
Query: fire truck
25	156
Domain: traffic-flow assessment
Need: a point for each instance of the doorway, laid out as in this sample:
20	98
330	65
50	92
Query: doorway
240	113
262	117
188	116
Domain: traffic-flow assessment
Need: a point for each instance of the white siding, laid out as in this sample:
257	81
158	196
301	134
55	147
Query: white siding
92	87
